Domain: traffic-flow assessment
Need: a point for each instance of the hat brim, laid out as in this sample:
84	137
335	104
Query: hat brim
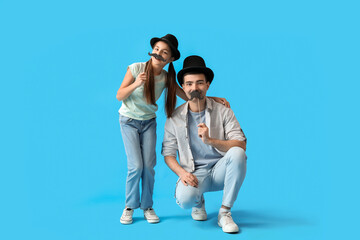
207	71
174	51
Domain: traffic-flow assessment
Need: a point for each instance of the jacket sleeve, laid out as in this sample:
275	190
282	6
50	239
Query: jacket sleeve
232	127
169	145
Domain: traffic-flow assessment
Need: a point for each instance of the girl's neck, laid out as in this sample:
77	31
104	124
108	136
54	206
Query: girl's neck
157	70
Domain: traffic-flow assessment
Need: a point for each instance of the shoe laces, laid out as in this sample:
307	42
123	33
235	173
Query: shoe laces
127	211
198	209
227	217
150	211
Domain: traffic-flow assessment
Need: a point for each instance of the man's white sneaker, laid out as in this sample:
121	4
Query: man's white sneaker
199	214
126	217
227	224
151	216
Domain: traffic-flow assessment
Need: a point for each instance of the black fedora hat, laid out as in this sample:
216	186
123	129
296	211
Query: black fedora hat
195	64
171	41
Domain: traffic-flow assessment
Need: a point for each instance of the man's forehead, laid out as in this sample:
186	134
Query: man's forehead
190	77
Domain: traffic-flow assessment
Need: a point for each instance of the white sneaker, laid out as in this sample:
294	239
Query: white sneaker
151	216
199	214
227	224
126	217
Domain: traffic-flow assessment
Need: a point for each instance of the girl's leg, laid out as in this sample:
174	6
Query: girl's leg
131	139
148	145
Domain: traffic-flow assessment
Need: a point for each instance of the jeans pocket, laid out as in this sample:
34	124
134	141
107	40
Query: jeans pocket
124	119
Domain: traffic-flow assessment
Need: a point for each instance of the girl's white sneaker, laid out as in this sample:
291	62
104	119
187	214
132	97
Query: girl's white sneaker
126	217
151	216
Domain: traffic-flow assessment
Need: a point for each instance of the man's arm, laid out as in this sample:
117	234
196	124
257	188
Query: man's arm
222	145
185	177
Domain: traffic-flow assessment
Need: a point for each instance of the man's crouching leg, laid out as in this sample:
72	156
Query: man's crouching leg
187	196
234	175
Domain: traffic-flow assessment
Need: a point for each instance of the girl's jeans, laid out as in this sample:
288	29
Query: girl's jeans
139	138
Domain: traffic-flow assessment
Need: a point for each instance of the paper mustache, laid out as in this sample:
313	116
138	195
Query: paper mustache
158	57
195	94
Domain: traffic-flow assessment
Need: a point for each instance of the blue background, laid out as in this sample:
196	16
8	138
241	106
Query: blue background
288	68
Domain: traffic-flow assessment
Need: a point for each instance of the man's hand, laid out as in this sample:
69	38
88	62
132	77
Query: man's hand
189	179
222	145
203	132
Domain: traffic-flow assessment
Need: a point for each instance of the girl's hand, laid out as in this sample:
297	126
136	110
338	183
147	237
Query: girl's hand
140	79
222	101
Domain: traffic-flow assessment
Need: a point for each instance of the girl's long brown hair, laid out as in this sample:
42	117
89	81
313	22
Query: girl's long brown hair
149	85
149	88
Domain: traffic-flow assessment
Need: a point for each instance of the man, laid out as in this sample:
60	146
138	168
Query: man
210	143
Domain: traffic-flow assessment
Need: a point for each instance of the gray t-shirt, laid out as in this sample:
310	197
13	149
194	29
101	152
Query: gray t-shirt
205	156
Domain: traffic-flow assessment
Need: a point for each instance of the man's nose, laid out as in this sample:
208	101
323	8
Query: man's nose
196	86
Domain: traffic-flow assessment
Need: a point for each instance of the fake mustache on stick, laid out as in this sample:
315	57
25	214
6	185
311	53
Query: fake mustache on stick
158	57
195	94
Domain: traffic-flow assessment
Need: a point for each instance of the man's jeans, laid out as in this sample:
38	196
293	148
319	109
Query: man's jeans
139	138
227	174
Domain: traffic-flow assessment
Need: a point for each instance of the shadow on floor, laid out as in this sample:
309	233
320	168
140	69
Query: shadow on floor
262	219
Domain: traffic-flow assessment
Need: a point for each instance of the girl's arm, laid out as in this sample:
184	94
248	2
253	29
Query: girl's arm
180	92
128	85
221	100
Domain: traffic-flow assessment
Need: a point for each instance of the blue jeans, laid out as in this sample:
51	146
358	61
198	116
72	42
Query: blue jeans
227	174
139	138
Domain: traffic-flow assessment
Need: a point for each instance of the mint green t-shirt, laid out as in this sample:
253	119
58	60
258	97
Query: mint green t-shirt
135	106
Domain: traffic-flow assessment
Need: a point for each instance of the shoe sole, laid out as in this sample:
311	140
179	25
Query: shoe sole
126	222
199	219
152	221
227	231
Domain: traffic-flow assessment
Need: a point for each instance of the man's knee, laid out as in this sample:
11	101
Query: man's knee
187	196
237	156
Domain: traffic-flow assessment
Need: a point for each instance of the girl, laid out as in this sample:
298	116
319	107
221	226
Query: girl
141	88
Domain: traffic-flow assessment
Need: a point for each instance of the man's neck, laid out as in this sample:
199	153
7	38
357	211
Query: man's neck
197	105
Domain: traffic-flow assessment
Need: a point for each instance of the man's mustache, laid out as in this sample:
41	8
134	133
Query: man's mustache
195	94
158	57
